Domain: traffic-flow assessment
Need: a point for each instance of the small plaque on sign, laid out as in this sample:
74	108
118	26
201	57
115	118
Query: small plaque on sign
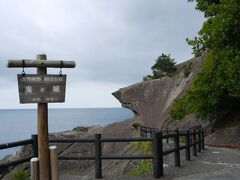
34	88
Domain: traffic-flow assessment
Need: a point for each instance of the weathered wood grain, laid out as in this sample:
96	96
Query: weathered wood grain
16	63
43	151
35	88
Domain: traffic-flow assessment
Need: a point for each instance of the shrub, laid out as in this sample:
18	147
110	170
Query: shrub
163	66
141	167
145	146
215	91
187	69
20	174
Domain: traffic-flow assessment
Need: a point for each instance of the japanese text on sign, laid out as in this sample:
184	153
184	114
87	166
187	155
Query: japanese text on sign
41	88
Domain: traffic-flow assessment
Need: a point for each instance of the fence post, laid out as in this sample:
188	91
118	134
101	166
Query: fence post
34	168
167	141
157	149
53	163
203	143
199	140
194	143
35	145
98	154
177	150
187	143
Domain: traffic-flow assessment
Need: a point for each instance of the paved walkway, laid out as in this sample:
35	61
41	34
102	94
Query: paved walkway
211	164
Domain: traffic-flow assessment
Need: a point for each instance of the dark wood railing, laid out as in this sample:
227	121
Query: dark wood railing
193	138
32	141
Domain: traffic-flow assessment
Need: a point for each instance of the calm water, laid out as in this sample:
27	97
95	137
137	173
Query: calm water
20	124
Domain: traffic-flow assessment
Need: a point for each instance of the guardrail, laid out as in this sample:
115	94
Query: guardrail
194	139
32	141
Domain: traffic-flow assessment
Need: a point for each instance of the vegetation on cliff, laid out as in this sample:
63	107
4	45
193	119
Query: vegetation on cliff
215	91
164	66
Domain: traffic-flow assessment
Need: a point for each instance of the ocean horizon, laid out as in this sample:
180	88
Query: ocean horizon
20	124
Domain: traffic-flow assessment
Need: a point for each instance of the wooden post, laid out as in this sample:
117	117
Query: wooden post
53	162
203	143
187	143
34	166
177	149
35	145
199	140
42	118
194	143
167	134
43	151
98	156
157	150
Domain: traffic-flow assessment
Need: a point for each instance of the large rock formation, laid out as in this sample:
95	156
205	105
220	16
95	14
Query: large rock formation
151	100
226	132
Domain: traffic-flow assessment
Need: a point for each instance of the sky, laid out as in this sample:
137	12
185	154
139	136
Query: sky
114	43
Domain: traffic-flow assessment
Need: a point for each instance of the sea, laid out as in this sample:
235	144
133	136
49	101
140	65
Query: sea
20	124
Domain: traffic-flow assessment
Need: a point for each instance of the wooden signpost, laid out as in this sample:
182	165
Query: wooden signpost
35	88
42	89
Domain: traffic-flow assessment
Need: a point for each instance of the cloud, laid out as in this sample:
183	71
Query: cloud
113	42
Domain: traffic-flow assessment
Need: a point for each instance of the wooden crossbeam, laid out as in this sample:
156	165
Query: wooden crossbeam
16	63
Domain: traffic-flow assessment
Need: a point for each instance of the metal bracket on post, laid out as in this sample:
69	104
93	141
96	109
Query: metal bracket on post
23	66
60	72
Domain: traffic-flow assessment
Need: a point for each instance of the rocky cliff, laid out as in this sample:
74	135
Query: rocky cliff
151	100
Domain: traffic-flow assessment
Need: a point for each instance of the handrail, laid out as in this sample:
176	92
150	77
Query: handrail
71	140
125	139
14	163
31	141
15	144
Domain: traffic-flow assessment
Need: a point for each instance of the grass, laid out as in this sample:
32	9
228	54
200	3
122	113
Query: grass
145	146
20	174
141	167
182	139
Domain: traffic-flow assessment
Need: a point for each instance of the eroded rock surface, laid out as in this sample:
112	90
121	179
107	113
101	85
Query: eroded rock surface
151	100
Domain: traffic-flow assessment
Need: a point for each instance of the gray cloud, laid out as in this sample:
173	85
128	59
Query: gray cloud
112	41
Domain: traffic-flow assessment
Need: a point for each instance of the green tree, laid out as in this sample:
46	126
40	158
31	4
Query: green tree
215	91
164	65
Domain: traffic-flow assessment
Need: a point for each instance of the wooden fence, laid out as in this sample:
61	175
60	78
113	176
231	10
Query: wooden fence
193	138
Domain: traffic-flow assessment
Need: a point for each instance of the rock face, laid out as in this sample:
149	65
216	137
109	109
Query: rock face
226	132
151	100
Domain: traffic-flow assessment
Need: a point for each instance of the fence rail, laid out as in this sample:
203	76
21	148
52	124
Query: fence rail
193	139
15	144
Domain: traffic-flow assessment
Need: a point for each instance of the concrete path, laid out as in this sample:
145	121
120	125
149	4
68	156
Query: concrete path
211	164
